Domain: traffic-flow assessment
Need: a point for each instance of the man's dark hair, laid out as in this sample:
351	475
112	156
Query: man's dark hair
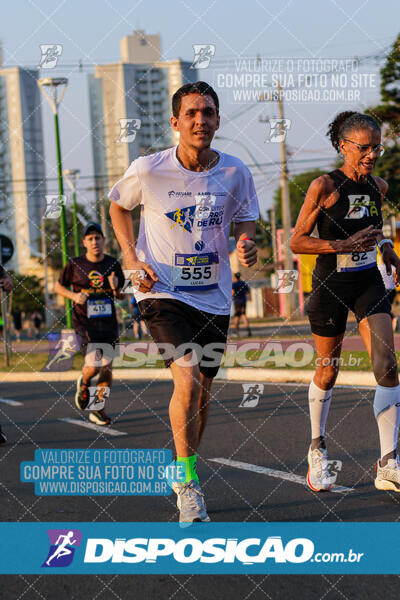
199	87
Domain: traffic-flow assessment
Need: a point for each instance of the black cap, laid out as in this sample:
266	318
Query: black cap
92	226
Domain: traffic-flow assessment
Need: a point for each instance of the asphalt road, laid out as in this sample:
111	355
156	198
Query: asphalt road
274	434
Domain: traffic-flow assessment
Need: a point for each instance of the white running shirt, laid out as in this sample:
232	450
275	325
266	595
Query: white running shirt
185	222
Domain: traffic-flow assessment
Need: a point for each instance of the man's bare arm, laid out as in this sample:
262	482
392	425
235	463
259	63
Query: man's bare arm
77	297
123	229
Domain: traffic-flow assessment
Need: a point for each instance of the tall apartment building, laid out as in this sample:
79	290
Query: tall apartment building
130	105
22	166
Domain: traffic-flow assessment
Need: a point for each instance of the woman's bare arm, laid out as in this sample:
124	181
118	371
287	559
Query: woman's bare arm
302	242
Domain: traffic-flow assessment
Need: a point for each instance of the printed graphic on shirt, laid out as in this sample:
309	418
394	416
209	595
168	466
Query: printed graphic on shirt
183	217
206	213
360	206
96	279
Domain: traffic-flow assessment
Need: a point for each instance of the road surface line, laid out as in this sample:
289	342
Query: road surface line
11	402
98	428
338	489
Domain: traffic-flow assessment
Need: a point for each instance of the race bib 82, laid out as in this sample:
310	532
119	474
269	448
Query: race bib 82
356	261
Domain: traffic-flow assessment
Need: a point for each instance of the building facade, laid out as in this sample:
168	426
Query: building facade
130	105
22	166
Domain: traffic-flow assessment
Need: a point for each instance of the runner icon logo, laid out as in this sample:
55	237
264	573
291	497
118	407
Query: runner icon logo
251	394
286	281
203	54
54	202
97	397
133	279
278	129
63	347
334	466
50	54
62	547
129	129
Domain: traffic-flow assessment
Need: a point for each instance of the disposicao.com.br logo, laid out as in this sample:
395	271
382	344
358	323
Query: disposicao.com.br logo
247	551
62	547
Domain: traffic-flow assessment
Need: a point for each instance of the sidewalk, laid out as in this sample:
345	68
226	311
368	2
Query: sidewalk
348	378
286	334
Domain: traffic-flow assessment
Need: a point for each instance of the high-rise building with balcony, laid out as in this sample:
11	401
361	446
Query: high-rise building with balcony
130	105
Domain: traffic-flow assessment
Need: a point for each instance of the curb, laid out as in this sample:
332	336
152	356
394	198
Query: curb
351	378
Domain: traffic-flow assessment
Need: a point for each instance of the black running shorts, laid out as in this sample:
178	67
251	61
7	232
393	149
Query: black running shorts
239	308
186	329
93	336
332	298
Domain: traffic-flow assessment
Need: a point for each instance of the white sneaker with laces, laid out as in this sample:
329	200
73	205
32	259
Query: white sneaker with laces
318	475
388	477
190	502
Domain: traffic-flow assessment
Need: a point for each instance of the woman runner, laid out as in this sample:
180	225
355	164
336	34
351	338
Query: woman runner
345	206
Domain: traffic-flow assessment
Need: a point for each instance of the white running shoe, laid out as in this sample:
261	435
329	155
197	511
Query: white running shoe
388	477
190	502
318	475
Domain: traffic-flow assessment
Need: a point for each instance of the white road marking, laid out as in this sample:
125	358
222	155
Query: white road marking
339	489
11	402
98	428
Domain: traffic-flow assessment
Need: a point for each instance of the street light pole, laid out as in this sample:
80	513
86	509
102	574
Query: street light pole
53	84
72	176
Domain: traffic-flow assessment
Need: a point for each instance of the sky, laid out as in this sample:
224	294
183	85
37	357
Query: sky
295	31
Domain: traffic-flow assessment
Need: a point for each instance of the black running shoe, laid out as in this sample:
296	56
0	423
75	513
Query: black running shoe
82	395
3	438
99	417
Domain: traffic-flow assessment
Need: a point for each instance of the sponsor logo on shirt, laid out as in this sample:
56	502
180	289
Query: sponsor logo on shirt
199	216
360	206
172	193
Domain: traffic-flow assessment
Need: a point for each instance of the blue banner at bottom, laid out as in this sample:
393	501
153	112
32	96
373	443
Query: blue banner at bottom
201	548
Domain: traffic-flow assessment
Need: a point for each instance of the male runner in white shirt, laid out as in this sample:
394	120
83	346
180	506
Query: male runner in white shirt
189	195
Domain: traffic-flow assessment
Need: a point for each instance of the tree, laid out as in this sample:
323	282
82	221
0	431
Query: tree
28	292
298	187
387	113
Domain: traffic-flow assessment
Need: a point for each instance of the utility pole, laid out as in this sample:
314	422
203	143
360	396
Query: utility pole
286	220
48	321
273	237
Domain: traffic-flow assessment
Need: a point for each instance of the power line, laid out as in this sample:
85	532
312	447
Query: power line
223	61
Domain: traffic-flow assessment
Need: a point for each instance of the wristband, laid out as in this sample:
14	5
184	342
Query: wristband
385	241
247	239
